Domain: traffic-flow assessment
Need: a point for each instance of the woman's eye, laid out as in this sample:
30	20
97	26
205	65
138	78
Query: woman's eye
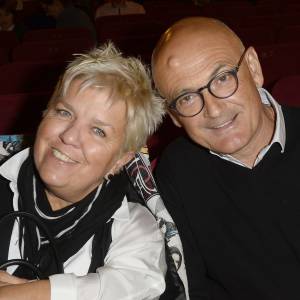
63	113
99	132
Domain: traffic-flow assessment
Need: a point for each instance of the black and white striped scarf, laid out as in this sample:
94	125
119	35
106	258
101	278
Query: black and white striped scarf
70	227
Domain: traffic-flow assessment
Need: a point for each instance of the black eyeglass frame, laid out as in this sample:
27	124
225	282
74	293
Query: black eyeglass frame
234	71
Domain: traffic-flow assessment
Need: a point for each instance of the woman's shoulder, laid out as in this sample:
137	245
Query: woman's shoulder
135	219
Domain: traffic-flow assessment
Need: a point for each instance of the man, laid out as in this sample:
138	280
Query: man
232	186
7	21
119	7
67	15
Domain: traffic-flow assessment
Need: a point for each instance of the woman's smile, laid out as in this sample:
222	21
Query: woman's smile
62	157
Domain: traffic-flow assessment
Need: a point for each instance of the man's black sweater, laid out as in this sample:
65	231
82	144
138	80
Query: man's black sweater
240	227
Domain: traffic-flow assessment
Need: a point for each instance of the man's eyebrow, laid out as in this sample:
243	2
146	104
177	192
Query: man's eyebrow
213	73
183	91
217	70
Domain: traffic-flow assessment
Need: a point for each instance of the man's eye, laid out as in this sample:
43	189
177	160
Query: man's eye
223	78
63	113
186	100
99	132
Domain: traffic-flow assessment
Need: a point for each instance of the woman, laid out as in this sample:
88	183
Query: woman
73	184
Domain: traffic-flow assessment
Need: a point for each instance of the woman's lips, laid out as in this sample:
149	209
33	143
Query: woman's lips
62	157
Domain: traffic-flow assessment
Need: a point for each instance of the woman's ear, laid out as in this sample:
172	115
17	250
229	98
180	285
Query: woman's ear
254	67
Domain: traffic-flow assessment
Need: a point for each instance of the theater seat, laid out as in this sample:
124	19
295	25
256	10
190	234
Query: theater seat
54	34
23	77
21	113
278	60
286	90
51	50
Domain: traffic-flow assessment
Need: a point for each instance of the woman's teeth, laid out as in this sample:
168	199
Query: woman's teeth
62	156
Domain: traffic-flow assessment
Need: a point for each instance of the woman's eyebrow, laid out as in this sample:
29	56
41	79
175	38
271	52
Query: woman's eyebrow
101	123
64	103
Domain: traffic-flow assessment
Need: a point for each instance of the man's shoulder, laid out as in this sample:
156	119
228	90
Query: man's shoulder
291	120
291	113
292	128
183	153
183	144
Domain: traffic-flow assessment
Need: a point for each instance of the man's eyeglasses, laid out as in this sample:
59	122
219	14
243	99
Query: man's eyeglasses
222	86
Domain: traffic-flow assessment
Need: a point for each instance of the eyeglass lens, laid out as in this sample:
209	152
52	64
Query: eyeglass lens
222	86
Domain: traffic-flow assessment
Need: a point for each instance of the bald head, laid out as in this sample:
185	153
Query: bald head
188	36
197	27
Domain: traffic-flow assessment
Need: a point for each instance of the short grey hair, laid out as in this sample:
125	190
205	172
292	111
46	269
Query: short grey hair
127	78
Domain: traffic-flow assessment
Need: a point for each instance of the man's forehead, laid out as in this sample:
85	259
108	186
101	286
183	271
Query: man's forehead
196	56
190	36
190	70
186	49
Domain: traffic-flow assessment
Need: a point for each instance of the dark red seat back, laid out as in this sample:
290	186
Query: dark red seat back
286	90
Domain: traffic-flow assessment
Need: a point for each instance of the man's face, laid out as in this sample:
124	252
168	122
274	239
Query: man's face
231	125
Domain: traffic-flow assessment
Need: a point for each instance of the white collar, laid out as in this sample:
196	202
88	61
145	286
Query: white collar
122	213
279	133
10	169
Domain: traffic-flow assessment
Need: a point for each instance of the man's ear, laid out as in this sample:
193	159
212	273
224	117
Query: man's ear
174	118
254	67
121	162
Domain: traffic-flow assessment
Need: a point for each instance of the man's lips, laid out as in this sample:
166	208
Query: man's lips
224	124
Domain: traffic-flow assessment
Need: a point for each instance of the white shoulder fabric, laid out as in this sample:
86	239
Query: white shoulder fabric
139	171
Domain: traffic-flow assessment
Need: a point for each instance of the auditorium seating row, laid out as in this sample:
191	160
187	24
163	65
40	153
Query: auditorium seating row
36	47
44	44
277	60
31	68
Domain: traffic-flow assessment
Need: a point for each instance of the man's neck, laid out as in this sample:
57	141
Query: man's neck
262	138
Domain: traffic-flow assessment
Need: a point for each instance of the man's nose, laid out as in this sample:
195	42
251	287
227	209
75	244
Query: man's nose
213	106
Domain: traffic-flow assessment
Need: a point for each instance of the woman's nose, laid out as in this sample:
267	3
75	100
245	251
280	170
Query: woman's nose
71	135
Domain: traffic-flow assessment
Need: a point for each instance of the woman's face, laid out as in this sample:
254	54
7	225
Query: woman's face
78	142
